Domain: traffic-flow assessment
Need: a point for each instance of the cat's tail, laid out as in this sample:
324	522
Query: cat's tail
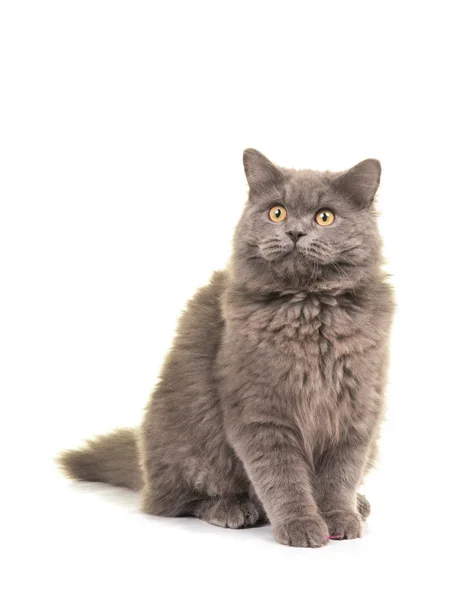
111	458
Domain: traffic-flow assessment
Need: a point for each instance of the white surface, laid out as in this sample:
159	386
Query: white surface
91	541
121	132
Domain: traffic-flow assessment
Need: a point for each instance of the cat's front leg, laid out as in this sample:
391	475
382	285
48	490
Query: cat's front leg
274	461
337	478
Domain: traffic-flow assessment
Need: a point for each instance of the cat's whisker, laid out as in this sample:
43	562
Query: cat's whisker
348	260
271	275
315	273
268	248
340	269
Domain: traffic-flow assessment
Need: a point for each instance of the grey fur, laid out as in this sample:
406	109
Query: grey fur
270	401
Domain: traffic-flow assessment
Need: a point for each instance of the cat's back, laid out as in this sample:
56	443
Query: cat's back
186	384
183	421
201	323
199	331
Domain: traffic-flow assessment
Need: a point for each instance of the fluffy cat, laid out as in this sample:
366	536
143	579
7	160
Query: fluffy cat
269	403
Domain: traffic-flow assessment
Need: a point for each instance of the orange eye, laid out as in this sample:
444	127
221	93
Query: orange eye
324	217
277	214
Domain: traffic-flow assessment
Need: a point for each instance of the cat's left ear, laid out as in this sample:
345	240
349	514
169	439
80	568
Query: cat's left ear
360	182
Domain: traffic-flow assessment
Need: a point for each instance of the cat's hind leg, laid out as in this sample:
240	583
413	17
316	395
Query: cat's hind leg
233	511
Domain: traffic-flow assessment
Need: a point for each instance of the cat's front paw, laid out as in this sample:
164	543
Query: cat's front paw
344	524
306	532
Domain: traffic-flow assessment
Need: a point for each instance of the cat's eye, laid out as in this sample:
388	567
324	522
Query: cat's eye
324	217
277	214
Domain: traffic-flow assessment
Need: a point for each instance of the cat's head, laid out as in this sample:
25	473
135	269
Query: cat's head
307	230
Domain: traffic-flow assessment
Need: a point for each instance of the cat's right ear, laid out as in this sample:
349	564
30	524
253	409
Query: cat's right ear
260	172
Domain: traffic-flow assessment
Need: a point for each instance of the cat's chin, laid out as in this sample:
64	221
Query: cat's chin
301	272
293	254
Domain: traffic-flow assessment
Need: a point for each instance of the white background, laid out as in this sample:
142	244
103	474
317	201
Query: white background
122	126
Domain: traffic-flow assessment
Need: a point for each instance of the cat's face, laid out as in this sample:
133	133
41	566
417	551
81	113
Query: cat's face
305	229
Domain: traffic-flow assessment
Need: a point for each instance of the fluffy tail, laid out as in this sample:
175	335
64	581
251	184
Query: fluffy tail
111	458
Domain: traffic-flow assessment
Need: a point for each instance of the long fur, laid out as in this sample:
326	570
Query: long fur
270	401
111	458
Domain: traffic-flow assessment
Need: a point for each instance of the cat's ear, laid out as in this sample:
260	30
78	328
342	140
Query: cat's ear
260	172
360	182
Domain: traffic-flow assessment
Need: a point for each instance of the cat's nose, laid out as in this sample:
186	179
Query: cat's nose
295	235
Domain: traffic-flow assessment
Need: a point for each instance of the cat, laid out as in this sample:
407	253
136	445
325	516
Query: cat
269	403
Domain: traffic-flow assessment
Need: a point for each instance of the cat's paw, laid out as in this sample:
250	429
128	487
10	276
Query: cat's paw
252	513
229	512
306	532
363	506
344	524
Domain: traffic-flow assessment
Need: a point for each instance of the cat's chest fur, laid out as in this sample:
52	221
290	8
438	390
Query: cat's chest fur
309	329
307	353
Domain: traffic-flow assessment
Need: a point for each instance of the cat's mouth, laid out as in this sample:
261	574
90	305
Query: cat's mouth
304	253
296	252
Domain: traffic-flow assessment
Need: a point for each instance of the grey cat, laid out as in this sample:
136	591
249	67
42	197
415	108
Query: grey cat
270	401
